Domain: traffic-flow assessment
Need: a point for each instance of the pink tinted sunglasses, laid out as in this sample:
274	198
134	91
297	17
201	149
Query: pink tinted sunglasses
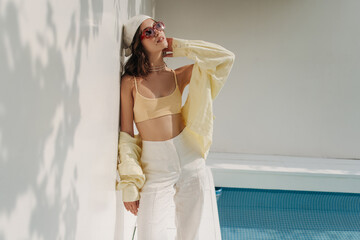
149	32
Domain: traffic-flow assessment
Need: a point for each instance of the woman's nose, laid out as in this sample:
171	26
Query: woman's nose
156	31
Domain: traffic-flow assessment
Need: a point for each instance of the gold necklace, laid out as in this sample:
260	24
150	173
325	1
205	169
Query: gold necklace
157	68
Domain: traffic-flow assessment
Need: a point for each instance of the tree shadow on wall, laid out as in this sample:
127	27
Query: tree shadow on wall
37	107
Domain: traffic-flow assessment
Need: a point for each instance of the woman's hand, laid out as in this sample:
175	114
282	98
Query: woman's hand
132	206
168	49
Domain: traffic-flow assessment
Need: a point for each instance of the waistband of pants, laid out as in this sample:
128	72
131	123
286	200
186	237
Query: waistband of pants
180	136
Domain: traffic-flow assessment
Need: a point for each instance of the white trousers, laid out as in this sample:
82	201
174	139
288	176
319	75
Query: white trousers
175	171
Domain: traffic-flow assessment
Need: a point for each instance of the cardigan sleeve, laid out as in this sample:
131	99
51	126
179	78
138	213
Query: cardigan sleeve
129	168
213	59
211	69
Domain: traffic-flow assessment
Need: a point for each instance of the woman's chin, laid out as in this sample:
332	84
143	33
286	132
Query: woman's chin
164	43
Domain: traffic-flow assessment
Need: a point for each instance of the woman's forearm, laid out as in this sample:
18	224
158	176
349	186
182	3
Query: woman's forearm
129	167
207	55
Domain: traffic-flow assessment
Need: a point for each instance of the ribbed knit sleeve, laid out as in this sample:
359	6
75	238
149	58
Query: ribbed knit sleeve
129	168
211	58
211	69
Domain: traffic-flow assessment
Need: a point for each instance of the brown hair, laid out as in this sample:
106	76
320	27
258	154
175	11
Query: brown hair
138	63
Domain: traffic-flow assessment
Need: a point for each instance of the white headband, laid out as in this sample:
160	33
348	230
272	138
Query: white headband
130	28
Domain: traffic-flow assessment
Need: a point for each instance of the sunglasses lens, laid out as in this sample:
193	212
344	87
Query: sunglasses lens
160	26
149	32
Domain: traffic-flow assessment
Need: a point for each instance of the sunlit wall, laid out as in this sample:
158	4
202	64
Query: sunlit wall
59	110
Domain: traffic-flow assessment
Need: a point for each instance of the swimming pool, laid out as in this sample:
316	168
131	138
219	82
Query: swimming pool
247	213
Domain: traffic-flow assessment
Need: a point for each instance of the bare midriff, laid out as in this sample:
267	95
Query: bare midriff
161	128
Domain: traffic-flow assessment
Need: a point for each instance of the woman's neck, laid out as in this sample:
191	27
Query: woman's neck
156	60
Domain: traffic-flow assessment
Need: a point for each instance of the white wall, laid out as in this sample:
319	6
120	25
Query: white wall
294	87
59	110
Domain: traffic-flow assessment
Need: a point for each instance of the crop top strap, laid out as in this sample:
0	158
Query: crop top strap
174	77
135	84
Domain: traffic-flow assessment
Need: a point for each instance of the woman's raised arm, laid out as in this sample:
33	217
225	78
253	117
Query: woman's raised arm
210	58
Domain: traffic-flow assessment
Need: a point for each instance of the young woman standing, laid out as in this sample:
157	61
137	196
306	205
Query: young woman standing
172	160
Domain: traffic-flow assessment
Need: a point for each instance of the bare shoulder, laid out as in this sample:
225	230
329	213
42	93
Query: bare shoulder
184	75
127	83
127	104
126	79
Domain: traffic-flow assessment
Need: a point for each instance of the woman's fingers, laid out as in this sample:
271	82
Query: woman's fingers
132	206
169	48
168	55
127	206
136	207
169	40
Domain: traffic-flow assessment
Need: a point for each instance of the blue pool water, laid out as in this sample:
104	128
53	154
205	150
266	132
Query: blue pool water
281	214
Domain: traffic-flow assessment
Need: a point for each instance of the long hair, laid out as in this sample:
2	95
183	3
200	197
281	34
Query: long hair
138	64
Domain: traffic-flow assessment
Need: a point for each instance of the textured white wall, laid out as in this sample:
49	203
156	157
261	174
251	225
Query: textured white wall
294	87
59	110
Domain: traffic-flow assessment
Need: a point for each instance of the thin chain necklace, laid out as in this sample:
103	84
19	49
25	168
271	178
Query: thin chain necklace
158	68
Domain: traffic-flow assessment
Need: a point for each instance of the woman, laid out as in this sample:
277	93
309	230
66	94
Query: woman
173	148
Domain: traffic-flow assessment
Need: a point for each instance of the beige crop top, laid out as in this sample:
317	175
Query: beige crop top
148	108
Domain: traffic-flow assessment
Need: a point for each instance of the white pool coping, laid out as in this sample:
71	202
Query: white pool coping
284	172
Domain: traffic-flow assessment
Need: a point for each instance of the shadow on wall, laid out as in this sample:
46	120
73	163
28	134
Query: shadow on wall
39	112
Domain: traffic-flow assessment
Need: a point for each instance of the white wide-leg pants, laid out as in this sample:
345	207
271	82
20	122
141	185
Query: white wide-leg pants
175	173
